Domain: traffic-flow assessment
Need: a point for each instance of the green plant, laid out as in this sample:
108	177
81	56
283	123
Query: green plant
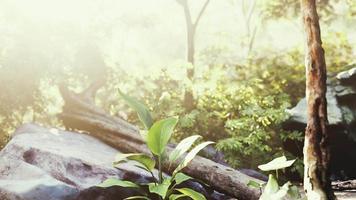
272	190
252	123
157	137
240	106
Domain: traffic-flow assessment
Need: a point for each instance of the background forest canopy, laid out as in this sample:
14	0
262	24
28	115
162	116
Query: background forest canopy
249	64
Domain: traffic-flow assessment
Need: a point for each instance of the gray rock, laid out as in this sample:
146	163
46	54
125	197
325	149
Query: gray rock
348	77
20	180
50	164
345	92
299	112
341	97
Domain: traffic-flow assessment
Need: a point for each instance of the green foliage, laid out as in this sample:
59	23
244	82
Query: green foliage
115	182
338	52
180	178
243	117
252	124
146	162
143	113
276	164
250	113
352	8
157	139
240	104
273	191
191	193
268	77
159	135
190	156
278	9
291	9
183	147
160	188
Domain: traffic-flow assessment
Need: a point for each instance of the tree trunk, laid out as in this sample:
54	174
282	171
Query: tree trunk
190	48
191	29
188	95
316	146
80	113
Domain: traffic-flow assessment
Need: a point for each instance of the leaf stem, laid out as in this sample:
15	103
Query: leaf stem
154	178
160	173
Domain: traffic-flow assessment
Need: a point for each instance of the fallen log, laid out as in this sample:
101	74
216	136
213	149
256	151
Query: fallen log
80	113
344	185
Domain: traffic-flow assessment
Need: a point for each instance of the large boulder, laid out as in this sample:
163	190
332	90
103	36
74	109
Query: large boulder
299	114
50	164
341	97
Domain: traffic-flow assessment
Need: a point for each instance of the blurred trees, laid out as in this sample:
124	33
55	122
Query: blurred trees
31	67
290	9
242	96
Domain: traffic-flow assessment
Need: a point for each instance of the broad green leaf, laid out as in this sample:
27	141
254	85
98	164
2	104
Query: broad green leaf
143	113
116	182
183	147
176	196
272	185
190	156
160	189
159	135
180	178
254	184
122	157
271	189
192	194
277	163
137	197
282	192
145	160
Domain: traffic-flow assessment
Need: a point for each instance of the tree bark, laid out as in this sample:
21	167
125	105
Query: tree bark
81	114
316	145
191	30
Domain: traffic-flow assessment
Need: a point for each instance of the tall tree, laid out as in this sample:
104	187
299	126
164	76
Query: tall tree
191	30
316	146
248	9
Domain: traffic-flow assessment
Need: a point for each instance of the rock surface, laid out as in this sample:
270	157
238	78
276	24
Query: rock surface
50	164
298	113
341	97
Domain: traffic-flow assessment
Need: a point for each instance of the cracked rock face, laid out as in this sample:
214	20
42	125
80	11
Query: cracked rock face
341	97
48	164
